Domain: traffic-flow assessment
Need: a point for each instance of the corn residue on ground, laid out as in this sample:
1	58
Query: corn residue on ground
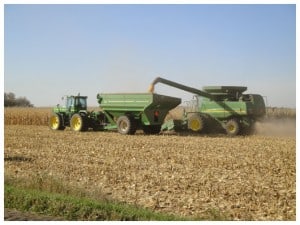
243	178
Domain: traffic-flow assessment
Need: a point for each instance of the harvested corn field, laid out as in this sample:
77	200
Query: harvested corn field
242	178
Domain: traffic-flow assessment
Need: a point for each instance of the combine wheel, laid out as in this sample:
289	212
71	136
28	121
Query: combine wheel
78	123
126	125
232	127
56	122
196	123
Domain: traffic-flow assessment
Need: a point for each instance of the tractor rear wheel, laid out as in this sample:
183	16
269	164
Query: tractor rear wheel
232	127
78	123
126	125
56	122
196	123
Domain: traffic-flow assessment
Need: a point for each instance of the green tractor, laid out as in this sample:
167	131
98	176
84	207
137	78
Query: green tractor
73	114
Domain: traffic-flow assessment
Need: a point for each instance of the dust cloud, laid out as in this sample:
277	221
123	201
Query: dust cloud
276	127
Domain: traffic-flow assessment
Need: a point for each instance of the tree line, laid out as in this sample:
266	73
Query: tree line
10	100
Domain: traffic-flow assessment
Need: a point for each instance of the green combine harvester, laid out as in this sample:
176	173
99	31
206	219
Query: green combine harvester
223	108
218	108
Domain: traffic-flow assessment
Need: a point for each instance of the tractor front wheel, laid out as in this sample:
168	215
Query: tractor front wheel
126	125
56	122
78	123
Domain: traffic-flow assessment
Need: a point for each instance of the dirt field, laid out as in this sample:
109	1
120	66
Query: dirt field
245	178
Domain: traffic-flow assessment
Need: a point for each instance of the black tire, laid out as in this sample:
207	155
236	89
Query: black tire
97	128
56	122
196	123
126	125
232	127
250	130
154	129
78	123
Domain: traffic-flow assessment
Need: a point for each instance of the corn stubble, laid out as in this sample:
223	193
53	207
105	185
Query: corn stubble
242	178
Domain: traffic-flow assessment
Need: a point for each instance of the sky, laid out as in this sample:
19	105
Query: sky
56	50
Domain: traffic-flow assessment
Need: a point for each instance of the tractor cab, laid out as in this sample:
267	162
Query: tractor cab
76	103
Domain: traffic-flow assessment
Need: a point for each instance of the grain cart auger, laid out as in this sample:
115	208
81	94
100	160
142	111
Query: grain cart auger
218	107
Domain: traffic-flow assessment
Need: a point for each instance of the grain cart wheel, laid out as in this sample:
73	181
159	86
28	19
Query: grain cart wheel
126	125
232	127
78	123
196	123
56	122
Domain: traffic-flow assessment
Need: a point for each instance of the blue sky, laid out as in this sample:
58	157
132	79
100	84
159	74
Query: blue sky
56	50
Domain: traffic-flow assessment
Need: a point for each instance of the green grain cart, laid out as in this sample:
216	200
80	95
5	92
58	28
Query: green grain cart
123	112
218	108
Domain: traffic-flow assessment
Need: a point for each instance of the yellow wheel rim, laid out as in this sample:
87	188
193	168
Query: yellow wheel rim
195	125
54	122
76	123
231	128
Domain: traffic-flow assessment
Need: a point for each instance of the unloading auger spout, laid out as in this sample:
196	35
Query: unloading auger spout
179	86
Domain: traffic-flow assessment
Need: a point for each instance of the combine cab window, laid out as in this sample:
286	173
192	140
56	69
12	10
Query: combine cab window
247	98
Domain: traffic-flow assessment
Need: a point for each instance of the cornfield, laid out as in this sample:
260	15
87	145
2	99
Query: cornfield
280	113
39	116
241	178
26	116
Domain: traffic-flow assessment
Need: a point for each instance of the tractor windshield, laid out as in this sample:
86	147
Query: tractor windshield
81	102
